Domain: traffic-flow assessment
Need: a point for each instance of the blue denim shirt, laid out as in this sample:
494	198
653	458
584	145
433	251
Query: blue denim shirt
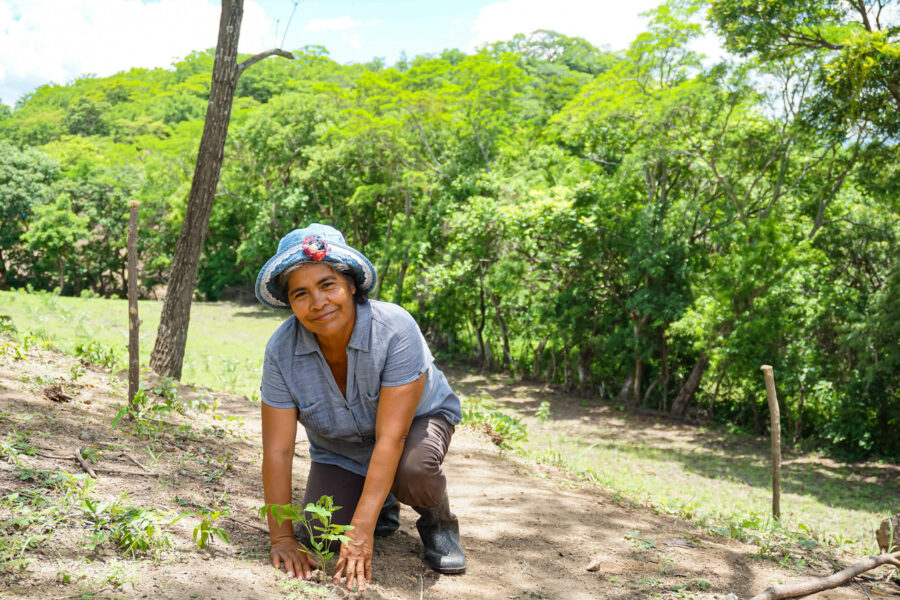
386	349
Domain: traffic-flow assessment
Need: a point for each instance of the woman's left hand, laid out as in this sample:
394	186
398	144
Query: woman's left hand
356	559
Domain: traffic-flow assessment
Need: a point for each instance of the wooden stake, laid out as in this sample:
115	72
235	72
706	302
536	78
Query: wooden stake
133	322
775	426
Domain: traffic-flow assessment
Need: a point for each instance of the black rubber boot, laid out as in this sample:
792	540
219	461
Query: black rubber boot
389	517
439	531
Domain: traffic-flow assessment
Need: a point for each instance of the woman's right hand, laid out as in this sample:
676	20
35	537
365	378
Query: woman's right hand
296	561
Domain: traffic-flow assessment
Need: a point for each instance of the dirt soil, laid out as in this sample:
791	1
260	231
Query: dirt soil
528	531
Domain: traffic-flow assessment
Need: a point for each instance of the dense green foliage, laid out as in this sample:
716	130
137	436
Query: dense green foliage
607	221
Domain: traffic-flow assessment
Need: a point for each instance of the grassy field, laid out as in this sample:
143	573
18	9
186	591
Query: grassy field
730	487
706	475
225	342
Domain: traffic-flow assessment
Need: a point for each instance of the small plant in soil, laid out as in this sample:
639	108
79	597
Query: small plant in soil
76	371
133	528
543	412
206	531
101	355
316	520
504	430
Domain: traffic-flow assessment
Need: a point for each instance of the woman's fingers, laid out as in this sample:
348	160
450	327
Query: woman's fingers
360	575
338	570
304	566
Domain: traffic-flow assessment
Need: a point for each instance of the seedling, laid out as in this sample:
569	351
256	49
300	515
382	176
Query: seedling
543	412
76	371
206	531
322	532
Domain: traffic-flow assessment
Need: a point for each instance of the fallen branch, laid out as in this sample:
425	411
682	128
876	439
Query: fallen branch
54	456
250	525
136	473
135	461
819	584
87	468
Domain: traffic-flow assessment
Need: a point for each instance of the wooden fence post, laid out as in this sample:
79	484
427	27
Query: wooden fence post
775	426
133	322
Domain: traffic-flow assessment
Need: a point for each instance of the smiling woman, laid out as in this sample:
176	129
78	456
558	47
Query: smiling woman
358	375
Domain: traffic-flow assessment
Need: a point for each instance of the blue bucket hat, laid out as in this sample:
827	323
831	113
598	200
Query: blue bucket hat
316	243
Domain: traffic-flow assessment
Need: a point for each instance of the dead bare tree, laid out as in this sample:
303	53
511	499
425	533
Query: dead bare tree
171	337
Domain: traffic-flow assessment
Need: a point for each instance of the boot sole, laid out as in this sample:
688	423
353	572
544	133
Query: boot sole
450	571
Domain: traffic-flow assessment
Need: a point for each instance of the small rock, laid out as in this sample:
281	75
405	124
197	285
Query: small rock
732	597
594	565
56	394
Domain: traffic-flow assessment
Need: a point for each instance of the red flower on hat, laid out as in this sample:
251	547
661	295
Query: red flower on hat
314	247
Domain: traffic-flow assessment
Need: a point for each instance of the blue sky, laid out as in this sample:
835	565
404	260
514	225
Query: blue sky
44	41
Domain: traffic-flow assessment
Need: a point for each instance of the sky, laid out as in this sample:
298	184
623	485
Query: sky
44	41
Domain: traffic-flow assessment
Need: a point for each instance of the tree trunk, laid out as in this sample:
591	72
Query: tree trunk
168	353
584	367
665	374
551	368
404	267
798	424
61	266
479	327
538	357
507	362
625	393
479	339
385	261
637	383
683	399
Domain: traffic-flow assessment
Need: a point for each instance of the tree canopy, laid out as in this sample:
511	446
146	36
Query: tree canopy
646	226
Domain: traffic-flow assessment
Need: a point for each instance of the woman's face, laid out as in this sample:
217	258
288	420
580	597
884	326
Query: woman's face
322	299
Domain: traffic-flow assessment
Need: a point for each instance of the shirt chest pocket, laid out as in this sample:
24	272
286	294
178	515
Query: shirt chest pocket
317	416
369	401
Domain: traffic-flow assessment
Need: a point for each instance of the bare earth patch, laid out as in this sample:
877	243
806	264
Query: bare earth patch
529	531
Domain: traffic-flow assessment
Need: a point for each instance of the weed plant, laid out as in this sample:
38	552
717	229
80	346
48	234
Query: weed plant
505	430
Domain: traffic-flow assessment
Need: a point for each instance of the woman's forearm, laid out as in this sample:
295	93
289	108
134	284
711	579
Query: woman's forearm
379	479
276	475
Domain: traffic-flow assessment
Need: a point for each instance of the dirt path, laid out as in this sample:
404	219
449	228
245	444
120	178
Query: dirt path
528	531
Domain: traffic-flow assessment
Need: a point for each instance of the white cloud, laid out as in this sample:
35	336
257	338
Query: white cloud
608	23
338	24
352	40
601	22
45	41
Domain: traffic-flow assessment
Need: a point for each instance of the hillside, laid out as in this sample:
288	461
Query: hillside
529	530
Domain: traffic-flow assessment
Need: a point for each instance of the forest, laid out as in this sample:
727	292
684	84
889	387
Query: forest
647	227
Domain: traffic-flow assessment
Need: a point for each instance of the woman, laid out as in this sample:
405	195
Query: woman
358	375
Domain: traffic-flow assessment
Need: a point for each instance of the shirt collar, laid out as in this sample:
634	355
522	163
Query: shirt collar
362	328
359	338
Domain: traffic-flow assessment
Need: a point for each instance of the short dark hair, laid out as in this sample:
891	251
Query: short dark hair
359	296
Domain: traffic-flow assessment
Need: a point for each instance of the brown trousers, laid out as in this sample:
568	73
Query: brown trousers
419	482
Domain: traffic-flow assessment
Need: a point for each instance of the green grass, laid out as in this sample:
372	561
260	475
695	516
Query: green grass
725	482
225	342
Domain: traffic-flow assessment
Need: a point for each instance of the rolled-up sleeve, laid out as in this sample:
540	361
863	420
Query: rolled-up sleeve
407	357
274	390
